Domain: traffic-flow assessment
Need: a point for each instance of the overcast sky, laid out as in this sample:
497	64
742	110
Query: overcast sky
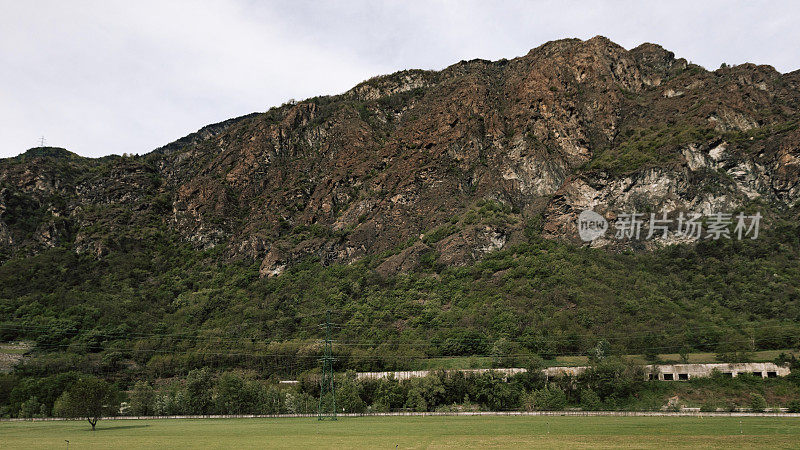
109	76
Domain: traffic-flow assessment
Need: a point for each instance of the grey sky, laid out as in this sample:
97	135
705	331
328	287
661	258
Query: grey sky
128	76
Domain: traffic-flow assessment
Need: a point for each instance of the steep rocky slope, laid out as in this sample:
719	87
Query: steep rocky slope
442	165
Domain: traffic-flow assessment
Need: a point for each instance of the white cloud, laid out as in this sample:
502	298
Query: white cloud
111	76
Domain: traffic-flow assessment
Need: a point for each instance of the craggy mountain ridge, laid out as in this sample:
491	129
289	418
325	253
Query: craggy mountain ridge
422	165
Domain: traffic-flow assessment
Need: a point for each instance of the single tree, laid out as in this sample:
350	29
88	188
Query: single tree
90	398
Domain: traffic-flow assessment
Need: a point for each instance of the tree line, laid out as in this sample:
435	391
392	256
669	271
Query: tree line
609	384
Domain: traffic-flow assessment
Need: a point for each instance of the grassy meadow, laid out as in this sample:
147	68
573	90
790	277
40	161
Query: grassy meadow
411	432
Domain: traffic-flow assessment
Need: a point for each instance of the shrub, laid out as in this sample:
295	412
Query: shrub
198	391
590	401
492	391
238	396
143	398
613	377
424	393
757	403
708	406
549	399
347	398
439	233
31	408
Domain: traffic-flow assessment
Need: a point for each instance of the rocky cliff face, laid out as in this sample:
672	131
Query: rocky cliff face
424	167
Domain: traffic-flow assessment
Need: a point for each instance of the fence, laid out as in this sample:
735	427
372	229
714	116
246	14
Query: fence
455	413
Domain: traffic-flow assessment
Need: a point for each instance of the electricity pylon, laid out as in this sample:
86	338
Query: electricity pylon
327	391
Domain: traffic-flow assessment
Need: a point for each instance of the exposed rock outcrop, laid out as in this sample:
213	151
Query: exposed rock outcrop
571	125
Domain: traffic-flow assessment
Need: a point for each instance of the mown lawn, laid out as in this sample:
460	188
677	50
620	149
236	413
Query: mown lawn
411	432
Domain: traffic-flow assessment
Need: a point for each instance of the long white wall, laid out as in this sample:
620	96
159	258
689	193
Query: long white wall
658	371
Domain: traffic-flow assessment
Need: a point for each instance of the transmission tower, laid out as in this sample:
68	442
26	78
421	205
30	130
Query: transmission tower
41	141
327	391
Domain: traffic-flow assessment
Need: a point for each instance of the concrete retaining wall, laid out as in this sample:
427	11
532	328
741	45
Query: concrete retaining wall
764	370
405	375
658	371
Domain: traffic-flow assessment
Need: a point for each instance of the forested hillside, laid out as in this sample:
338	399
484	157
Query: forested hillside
162	308
433	213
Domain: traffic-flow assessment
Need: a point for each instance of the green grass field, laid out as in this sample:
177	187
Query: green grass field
412	432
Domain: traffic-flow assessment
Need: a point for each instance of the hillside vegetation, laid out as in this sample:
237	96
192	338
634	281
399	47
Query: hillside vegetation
432	212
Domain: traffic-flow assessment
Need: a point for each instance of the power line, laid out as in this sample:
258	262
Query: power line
363	357
569	338
205	333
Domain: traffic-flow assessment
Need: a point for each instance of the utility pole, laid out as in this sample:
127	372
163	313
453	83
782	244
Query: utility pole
327	406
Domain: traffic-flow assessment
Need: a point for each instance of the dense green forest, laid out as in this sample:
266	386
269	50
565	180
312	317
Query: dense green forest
157	308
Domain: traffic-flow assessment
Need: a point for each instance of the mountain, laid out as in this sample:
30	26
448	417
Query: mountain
572	124
462	186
